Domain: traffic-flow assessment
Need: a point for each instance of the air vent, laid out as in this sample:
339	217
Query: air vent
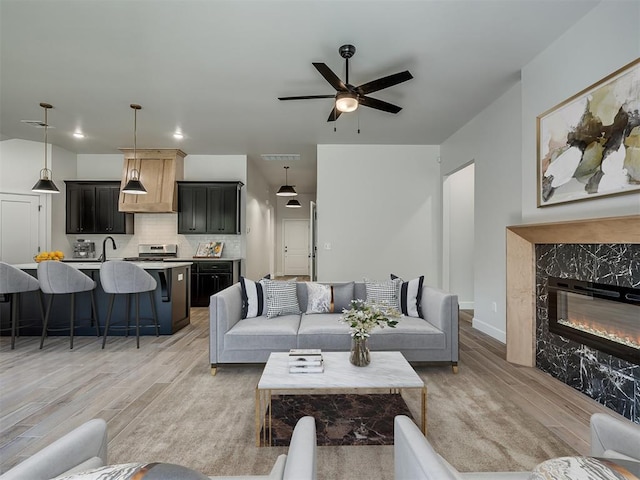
36	123
284	157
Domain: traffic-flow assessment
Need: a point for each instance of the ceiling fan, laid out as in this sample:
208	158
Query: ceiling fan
348	97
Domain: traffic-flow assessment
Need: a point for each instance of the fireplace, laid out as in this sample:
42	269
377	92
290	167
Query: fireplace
604	317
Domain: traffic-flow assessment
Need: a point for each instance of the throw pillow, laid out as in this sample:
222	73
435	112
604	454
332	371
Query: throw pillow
138	471
328	298
252	297
410	296
384	293
318	298
282	298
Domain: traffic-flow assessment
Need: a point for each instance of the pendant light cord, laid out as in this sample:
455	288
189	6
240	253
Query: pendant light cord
46	128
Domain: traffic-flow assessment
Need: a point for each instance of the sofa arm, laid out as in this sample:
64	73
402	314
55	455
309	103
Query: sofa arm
301	457
440	309
86	446
225	310
615	438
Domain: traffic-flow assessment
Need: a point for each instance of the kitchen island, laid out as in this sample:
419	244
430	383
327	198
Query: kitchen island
172	299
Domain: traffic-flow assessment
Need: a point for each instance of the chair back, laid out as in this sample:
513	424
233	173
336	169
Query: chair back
57	277
125	277
14	280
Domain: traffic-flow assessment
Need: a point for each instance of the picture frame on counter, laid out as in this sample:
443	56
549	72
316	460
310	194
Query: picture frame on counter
209	250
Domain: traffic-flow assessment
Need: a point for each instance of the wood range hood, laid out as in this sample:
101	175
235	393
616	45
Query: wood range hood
159	169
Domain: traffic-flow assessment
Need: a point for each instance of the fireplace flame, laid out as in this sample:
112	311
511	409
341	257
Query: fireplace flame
609	332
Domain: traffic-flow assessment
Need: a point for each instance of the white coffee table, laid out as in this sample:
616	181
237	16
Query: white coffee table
388	372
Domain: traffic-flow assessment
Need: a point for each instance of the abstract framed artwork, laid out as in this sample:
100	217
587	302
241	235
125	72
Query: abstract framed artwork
589	145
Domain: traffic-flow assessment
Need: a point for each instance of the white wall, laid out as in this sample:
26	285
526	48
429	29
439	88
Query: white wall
100	167
492	141
64	164
282	212
379	206
458	239
260	225
606	39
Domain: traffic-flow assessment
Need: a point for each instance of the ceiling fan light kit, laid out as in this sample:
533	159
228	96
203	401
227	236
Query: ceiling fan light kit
286	190
134	185
45	184
348	97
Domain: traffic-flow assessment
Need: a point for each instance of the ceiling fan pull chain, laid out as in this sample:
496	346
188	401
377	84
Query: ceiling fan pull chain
358	122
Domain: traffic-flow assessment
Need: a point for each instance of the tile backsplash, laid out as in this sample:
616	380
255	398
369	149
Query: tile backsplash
162	228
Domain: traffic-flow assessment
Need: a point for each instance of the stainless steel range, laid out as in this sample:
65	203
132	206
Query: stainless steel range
155	252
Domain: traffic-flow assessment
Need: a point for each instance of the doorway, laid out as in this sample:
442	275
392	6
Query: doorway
20	227
296	246
458	234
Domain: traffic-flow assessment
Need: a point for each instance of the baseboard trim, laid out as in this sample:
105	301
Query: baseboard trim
466	305
489	330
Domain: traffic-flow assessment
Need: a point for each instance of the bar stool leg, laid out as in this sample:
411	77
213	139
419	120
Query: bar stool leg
46	321
106	325
126	334
72	323
94	313
14	298
137	320
154	313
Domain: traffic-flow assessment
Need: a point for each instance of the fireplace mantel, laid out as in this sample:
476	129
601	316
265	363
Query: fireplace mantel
521	283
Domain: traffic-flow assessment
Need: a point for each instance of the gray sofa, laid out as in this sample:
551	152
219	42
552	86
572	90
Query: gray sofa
236	340
415	458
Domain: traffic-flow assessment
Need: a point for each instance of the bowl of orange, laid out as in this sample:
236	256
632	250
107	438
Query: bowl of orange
56	255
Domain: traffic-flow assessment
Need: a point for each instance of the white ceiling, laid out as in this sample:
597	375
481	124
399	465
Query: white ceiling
215	70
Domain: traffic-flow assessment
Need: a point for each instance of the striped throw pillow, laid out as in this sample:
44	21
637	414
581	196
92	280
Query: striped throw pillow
410	296
384	293
282	298
252	298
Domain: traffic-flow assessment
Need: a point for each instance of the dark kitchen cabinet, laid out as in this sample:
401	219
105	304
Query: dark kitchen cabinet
92	207
211	277
209	207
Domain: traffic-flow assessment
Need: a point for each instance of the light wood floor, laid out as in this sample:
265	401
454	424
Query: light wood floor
44	394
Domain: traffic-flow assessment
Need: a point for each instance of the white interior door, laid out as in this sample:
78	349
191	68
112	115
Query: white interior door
296	247
19	227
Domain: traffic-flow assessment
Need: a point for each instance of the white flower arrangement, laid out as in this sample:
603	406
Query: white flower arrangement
363	317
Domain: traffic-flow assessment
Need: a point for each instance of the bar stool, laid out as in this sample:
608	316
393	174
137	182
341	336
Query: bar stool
57	278
13	282
118	278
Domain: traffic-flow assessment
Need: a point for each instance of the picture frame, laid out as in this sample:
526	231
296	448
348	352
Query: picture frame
588	146
209	250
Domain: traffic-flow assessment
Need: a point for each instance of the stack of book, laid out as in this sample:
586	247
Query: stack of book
305	360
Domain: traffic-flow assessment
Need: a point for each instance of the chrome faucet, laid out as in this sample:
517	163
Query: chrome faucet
103	256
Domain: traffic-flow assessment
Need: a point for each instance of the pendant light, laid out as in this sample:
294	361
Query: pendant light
293	203
286	190
134	186
45	184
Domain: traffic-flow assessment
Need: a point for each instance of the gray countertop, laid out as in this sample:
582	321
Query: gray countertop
96	265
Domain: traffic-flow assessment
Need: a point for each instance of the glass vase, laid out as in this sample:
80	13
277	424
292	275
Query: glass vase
359	352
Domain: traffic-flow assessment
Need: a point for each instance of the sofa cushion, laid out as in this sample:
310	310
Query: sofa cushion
410	296
384	293
258	333
282	298
252	298
324	331
325	298
409	334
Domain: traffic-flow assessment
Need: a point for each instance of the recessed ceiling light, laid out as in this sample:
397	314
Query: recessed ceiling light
78	134
288	157
178	135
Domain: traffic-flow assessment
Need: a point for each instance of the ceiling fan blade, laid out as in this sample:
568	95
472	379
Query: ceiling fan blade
333	116
379	104
306	97
330	77
384	82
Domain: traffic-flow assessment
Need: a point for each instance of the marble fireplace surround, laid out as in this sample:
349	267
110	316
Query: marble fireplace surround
521	270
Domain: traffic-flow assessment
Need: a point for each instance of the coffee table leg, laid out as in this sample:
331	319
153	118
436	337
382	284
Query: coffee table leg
269	407
258	419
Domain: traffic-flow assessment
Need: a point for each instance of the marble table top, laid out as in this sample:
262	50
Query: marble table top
386	370
96	265
586	468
